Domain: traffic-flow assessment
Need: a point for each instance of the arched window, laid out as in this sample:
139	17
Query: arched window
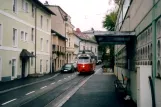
158	67
158	28
158	47
148	51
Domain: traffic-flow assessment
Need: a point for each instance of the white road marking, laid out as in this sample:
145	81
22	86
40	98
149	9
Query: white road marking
59	80
43	87
70	94
98	70
64	78
7	90
30	92
52	83
9	101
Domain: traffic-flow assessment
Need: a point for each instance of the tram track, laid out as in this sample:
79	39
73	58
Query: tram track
54	95
47	94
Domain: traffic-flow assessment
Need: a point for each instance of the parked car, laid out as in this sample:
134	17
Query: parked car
75	65
67	68
99	62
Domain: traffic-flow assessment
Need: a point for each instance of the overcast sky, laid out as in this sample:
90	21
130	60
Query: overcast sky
85	14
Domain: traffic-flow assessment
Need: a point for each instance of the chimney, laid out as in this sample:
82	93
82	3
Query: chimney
78	30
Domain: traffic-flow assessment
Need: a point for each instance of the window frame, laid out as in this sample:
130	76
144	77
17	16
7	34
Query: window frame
15	3
41	44
23	35
33	10
16	38
32	35
26	7
47	24
14	58
47	43
41	21
1	34
47	65
26	37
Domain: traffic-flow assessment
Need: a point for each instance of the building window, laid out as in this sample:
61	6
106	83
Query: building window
47	44
83	47
15	37
47	24
32	34
15	6
13	67
22	35
158	48
69	42
32	61
23	4
58	48
26	36
26	7
40	65
41	44
1	34
41	21
46	65
33	10
58	63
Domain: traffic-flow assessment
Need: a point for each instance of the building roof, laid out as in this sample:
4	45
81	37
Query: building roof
83	36
37	2
58	34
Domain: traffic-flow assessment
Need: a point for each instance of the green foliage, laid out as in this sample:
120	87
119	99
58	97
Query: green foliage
110	21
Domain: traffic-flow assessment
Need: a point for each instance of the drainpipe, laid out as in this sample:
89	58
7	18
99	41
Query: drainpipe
65	43
153	49
35	34
153	43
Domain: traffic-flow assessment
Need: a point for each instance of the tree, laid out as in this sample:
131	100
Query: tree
110	21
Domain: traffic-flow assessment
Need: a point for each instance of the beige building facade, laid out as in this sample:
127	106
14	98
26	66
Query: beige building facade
17	32
58	26
70	41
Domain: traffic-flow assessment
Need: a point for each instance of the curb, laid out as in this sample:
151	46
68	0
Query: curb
10	89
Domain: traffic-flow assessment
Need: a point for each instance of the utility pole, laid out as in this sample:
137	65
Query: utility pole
35	34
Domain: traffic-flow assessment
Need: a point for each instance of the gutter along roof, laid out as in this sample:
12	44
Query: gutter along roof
38	3
58	34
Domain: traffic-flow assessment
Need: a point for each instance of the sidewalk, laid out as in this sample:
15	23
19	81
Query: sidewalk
98	91
14	84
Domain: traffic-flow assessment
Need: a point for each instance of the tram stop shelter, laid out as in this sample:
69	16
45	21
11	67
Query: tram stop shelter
126	38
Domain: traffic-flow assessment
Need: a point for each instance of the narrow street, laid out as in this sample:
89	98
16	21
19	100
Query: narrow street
67	90
42	93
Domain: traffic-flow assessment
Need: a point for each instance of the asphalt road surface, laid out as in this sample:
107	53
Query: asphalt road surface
44	93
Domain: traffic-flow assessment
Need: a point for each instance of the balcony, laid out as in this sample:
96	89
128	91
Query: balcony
69	49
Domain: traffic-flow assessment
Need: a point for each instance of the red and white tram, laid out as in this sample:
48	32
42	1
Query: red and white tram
86	62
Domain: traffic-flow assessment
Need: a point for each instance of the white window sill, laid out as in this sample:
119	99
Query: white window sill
15	46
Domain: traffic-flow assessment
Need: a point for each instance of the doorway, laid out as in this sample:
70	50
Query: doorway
24	67
14	68
41	71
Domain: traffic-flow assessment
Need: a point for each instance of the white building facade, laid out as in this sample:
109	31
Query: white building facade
20	37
